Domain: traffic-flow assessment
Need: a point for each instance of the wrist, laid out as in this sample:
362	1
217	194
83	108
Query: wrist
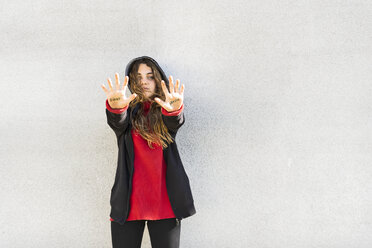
173	112
115	110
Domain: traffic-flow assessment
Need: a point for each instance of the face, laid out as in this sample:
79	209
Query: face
146	80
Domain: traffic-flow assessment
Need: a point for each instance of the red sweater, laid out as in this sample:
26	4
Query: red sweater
149	198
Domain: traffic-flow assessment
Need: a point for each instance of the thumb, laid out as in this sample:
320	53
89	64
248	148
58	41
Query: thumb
134	95
160	102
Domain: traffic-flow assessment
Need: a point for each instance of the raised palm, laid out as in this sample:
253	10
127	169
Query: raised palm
116	97
174	98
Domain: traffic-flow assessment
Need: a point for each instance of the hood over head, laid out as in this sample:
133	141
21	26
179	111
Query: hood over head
130	66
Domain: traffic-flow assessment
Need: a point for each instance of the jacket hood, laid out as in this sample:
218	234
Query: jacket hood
130	66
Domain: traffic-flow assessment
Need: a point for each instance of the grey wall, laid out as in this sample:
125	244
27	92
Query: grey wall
277	140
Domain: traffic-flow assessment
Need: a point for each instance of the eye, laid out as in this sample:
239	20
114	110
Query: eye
151	77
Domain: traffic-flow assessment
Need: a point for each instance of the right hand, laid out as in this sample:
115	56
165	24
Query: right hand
116	97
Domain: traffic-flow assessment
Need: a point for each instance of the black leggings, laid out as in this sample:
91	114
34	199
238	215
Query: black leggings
164	233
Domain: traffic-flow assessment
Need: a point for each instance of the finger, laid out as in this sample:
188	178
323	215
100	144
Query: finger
165	90
171	86
109	83
104	89
125	82
182	88
160	102
177	86
117	82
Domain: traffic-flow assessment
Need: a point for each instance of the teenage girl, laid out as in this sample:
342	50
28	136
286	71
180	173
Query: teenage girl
151	185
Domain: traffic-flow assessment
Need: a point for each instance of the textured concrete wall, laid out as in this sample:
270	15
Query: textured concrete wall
277	140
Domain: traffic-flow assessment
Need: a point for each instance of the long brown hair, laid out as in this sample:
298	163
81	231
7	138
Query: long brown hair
150	127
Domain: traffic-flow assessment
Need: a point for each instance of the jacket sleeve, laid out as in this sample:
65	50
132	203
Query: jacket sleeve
117	119
173	120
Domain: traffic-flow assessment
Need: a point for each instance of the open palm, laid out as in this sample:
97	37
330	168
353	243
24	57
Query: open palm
116	97
174	98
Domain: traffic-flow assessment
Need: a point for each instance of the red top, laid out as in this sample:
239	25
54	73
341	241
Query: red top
149	198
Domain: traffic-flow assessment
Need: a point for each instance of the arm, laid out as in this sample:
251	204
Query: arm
172	107
117	119
173	120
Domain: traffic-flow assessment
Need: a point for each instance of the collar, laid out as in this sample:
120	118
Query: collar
146	105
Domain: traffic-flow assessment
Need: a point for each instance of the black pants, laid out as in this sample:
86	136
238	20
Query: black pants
163	233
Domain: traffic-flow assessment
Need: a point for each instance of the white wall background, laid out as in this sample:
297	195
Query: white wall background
277	140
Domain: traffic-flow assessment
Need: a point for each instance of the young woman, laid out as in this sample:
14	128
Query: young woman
151	184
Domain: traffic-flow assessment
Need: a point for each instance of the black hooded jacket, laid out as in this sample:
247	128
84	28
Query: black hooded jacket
177	181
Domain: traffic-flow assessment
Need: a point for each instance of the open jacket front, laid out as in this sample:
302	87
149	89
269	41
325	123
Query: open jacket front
177	181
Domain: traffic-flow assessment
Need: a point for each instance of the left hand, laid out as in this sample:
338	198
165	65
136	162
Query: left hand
174	98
